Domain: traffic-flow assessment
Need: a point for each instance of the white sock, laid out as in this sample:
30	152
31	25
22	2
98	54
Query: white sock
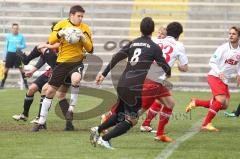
46	104
74	95
71	108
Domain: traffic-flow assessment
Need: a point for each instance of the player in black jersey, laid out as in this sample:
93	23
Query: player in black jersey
47	55
140	52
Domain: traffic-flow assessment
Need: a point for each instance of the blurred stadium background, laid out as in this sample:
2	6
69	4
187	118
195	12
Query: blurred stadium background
113	22
205	27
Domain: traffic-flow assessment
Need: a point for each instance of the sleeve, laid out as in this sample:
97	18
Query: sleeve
122	54
22	43
5	49
41	61
238	69
54	37
183	59
215	59
88	45
160	60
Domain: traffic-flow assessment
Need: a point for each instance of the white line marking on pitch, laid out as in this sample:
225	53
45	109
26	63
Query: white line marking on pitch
175	144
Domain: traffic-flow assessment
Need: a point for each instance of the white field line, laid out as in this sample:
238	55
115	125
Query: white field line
175	144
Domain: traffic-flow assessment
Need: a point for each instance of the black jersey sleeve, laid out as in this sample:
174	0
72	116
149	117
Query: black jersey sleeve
41	61
160	60
122	54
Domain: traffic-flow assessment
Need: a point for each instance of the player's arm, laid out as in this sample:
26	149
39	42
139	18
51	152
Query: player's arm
22	43
122	54
41	61
116	58
238	75
49	46
87	43
183	60
160	60
56	34
214	60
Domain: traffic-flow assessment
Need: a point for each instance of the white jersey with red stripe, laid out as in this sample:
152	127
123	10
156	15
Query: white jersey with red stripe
173	50
225	60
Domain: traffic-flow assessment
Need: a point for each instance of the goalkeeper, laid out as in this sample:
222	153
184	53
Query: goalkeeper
69	62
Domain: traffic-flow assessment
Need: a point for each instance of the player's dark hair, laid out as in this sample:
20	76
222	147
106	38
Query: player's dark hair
76	8
174	29
14	24
147	26
237	29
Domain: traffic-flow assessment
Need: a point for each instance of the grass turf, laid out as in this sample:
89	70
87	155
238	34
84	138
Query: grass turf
17	141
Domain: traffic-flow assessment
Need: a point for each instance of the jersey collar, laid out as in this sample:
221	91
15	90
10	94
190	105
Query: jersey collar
71	22
231	48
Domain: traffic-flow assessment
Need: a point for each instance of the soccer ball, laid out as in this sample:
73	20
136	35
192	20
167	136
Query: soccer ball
72	35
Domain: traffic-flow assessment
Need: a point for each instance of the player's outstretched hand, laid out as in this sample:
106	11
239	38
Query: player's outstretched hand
62	32
238	80
182	68
29	74
99	79
42	45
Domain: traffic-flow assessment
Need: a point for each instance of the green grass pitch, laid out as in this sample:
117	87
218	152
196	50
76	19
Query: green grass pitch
18	142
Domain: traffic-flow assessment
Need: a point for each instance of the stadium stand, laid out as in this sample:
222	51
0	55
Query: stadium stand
205	25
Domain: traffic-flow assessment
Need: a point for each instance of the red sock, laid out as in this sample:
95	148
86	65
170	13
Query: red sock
164	118
215	107
203	103
108	115
152	112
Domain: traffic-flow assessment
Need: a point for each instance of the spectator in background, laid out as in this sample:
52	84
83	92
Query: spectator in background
15	41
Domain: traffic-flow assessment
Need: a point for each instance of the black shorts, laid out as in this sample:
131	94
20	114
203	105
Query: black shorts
13	61
62	73
129	102
123	109
41	81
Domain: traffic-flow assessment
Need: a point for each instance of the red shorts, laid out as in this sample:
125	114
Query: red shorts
151	91
218	87
114	107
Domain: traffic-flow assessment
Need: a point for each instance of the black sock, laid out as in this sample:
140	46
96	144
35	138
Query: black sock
40	106
108	123
33	54
27	104
25	80
120	128
64	105
4	79
237	112
69	123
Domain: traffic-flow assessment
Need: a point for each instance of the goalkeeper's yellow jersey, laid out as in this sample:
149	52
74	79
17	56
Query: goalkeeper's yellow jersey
71	52
1	70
